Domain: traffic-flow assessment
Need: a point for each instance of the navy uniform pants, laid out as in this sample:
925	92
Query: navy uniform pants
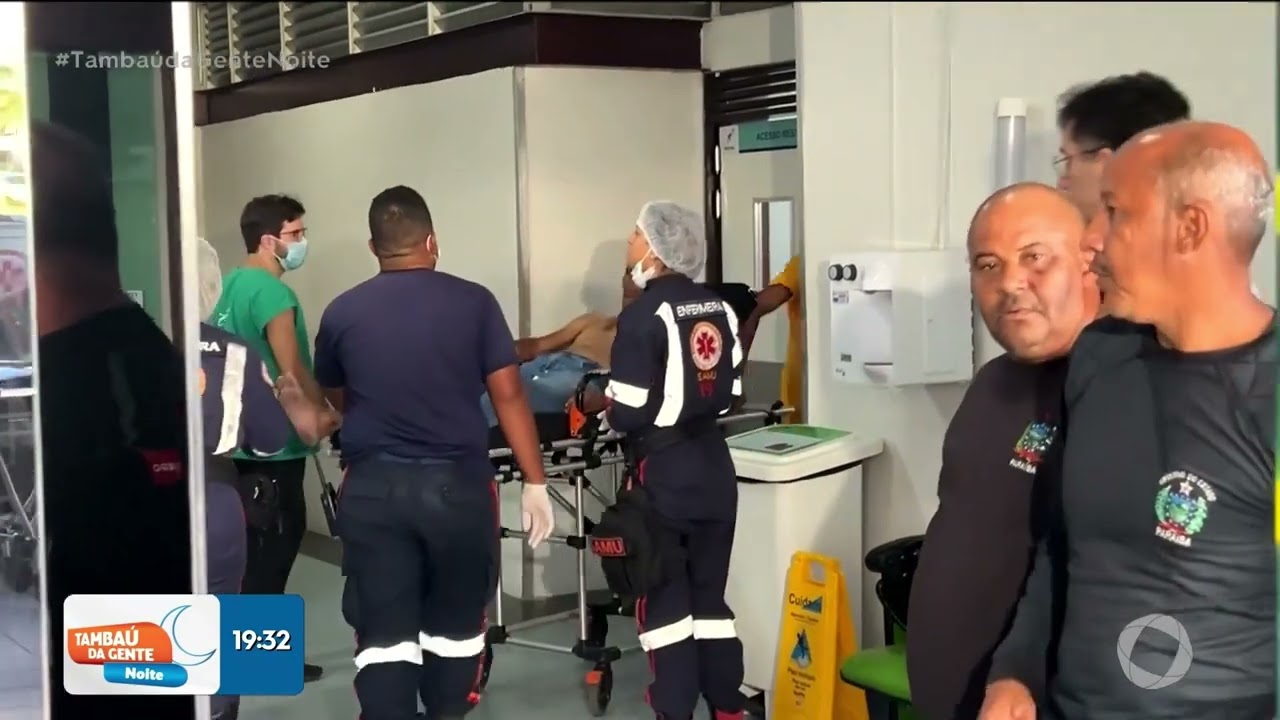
420	552
227	551
685	625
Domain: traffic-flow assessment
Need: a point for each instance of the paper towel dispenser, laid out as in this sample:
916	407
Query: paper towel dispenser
901	317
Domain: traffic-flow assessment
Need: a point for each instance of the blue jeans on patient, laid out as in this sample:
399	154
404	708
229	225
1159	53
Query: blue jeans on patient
549	381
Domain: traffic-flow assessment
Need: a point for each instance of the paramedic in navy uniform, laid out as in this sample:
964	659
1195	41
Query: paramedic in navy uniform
675	368
1163	551
405	357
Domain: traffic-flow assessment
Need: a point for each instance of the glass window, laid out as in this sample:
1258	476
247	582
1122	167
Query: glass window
117	493
20	596
775	238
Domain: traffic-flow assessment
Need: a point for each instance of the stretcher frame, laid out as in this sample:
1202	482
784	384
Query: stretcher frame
19	535
566	462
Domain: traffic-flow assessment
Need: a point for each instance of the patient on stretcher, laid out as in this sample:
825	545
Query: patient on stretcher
553	365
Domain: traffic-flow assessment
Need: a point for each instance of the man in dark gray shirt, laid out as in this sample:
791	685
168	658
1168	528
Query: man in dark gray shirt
1002	448
1162	550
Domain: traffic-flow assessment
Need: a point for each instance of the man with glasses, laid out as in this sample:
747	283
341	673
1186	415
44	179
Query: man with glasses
262	310
1096	119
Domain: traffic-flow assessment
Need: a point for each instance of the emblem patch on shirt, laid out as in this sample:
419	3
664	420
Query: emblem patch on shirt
705	346
1182	506
1031	448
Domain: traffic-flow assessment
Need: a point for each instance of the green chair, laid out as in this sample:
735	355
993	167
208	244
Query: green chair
882	672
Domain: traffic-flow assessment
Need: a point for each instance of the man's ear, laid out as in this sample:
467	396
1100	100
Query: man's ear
371	248
1191	227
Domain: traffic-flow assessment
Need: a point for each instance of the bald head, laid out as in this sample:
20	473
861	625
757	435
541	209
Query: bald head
72	203
1186	209
1025	203
1027	271
1214	166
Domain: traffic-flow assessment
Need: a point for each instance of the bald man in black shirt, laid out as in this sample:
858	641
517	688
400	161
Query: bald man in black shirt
112	418
1168	466
1032	286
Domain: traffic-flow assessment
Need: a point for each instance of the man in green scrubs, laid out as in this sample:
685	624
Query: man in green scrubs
259	307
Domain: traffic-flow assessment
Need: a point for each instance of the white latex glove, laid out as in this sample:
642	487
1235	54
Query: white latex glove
538	518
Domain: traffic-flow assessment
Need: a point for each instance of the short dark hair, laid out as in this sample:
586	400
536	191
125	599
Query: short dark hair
73	209
266	215
1113	110
398	217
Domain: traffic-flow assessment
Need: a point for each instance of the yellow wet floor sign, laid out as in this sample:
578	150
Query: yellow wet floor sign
817	634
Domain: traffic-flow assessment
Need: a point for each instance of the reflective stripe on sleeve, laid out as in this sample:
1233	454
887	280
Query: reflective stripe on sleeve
629	395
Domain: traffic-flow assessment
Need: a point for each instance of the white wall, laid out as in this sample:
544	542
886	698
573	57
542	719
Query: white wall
877	173
452	141
534	177
762	37
596	144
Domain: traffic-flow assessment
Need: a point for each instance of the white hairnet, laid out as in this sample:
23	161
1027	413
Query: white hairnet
210	277
676	235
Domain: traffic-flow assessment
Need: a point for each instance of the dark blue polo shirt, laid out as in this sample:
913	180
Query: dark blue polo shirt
411	350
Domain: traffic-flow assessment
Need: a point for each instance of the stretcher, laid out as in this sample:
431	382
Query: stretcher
574	444
19	539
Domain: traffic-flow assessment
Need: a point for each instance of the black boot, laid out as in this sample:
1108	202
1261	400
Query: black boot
311	673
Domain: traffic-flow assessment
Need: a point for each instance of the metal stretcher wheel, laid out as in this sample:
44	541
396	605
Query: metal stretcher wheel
485	666
599	689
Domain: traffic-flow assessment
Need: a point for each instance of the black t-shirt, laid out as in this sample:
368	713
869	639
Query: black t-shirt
999	457
113	449
1167	493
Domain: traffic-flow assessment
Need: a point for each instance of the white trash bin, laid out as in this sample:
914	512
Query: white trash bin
799	488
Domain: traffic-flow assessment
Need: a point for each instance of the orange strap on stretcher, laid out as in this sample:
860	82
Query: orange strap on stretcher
580	423
577	419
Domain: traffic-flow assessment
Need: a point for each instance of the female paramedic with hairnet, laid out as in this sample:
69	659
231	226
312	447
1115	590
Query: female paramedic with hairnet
676	367
241	411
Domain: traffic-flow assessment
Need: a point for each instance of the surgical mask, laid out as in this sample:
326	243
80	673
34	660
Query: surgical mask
294	256
640	275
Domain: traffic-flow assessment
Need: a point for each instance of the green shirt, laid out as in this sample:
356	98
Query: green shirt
251	298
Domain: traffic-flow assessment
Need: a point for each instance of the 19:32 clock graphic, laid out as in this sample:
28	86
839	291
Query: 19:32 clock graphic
184	644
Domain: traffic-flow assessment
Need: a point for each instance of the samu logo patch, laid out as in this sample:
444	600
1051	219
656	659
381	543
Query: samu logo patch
1031	448
1182	506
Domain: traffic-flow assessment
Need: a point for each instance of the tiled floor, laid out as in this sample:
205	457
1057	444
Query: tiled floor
526	684
19	657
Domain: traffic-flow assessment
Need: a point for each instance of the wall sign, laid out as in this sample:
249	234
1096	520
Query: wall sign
766	135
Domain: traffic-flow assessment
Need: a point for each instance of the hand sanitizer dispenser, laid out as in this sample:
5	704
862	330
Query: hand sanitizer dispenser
901	317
